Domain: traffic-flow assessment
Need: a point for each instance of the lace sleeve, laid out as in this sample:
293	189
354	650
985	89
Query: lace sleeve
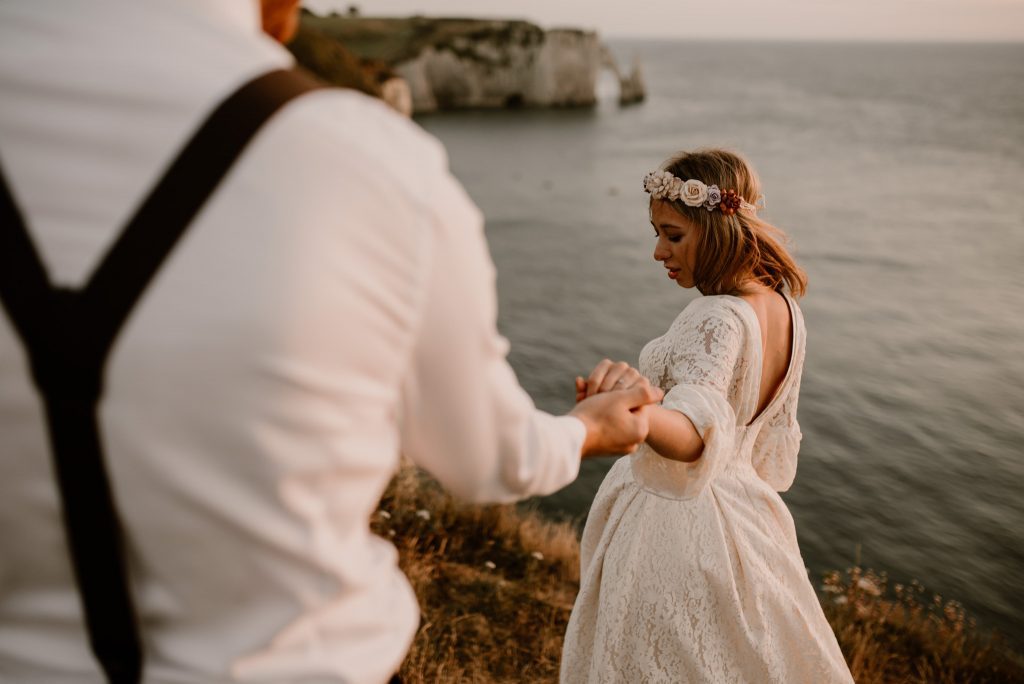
776	446
706	348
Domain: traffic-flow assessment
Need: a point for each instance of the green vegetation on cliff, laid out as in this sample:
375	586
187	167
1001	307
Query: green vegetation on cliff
332	62
496	586
395	40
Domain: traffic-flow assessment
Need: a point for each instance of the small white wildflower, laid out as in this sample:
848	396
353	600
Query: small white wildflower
868	587
489	565
831	588
423	513
384	514
538	555
840	600
391	533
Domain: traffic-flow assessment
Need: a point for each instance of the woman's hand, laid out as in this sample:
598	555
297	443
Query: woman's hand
605	377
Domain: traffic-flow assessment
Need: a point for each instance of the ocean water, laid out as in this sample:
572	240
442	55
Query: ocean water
897	170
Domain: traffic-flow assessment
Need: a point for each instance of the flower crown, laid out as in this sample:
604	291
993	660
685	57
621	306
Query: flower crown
695	193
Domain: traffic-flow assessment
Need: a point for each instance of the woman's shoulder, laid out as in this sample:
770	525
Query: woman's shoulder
726	309
710	321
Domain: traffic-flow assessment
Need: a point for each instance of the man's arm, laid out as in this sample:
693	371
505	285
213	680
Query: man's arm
465	418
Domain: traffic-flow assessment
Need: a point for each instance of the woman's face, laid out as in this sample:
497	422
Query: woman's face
676	245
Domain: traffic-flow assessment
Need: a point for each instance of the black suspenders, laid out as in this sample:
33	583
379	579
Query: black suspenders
68	335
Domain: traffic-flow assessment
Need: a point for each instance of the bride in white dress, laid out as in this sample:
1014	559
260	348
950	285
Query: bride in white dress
690	569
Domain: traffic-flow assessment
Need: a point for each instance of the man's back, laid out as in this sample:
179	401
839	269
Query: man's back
252	409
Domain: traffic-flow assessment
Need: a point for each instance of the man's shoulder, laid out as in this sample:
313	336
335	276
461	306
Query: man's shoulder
341	144
350	126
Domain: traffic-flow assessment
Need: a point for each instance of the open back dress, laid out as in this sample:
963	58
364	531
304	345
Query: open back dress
690	572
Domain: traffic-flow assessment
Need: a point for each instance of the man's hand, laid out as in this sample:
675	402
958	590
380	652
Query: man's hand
617	420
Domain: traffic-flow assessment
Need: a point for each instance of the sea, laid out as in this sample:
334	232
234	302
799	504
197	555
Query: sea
898	172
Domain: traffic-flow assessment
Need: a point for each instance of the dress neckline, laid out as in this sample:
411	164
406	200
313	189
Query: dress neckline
760	356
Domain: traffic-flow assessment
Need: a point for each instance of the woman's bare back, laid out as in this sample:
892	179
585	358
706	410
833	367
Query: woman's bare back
775	321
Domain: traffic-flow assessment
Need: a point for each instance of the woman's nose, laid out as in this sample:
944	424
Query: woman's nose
660	252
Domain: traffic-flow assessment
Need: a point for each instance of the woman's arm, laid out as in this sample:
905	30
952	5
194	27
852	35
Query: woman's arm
671	433
673	436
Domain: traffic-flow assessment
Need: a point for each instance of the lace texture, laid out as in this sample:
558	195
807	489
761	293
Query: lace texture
690	572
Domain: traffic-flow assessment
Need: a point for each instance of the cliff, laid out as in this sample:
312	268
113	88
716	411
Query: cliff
328	59
334	63
470	63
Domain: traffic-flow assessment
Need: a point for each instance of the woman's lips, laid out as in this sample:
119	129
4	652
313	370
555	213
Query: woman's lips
673	274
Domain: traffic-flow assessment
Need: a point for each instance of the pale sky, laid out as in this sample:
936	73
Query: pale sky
957	20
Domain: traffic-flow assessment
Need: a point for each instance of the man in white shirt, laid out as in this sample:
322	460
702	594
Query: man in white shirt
331	306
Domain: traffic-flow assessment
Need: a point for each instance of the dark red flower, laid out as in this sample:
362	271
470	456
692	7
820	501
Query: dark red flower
731	202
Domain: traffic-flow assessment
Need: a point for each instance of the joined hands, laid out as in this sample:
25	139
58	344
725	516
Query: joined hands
612	403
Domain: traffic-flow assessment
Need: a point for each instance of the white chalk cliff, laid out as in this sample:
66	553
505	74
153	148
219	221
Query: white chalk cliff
454	63
522	66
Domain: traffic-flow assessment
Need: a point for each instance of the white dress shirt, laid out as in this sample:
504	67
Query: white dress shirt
332	306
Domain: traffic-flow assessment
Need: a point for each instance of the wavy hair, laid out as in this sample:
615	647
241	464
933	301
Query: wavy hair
737	248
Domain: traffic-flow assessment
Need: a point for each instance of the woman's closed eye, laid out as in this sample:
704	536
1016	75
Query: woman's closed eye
671	238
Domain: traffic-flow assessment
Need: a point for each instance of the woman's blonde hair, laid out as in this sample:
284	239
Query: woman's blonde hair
732	249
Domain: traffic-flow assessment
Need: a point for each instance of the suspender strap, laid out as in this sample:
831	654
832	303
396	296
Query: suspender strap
68	335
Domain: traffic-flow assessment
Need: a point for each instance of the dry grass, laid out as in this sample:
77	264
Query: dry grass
496	586
901	635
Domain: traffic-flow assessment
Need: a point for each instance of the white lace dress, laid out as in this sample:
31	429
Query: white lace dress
690	572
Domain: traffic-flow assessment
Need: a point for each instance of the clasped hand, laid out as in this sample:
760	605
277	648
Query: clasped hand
612	403
608	376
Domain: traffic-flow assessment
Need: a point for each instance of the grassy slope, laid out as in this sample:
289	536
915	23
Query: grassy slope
496	586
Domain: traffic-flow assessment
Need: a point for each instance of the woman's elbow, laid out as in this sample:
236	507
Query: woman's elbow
674	436
686	453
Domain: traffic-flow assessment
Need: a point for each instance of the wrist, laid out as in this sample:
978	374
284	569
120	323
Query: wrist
589	427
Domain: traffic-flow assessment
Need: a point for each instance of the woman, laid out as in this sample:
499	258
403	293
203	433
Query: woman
690	569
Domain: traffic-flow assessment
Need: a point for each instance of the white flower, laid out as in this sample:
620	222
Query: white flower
538	555
423	513
714	197
657	183
662	185
489	565
384	514
694	193
868	587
